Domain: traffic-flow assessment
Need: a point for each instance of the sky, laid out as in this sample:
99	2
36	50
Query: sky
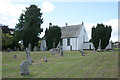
59	12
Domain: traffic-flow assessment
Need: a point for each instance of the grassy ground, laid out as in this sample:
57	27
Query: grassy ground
71	65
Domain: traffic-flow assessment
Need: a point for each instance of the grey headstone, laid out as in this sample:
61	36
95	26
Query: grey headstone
61	52
35	48
15	48
24	67
45	59
53	51
8	49
83	53
53	45
99	47
15	56
29	46
28	55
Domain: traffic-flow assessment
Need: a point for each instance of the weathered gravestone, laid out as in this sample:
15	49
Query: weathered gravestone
61	52
29	46
15	56
99	47
45	59
28	55
24	67
15	48
8	49
52	51
94	50
35	49
83	53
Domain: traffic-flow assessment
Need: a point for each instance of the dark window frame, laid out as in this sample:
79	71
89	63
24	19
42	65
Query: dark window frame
68	41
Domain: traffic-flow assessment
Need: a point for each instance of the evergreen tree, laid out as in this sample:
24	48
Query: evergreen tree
29	24
52	35
101	32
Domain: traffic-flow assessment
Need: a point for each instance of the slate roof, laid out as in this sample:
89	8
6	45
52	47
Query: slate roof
71	31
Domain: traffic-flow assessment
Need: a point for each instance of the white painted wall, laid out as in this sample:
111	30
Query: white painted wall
87	45
82	38
73	43
65	47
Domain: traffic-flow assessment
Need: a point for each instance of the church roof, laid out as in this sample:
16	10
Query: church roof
71	31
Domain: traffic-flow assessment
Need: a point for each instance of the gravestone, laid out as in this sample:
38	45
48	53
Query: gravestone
15	48
15	56
53	51
61	52
94	50
35	49
28	55
8	49
45	59
29	46
83	53
24	67
99	47
18	49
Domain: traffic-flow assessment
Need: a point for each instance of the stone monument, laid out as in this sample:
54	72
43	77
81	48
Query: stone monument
99	47
61	52
24	67
45	59
28	55
29	46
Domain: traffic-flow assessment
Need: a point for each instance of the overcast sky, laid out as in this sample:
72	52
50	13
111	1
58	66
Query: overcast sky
59	13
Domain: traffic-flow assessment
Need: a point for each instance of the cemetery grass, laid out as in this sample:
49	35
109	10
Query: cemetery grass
71	65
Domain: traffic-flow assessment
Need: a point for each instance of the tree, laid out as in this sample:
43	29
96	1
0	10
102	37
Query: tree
29	24
7	40
52	35
101	32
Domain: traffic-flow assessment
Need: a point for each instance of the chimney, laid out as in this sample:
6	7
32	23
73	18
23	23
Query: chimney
66	24
50	24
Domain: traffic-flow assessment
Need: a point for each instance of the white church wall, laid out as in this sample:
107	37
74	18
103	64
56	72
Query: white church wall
73	43
65	47
80	39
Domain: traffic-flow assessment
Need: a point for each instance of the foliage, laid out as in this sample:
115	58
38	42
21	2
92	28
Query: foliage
101	32
52	35
39	42
28	27
7	40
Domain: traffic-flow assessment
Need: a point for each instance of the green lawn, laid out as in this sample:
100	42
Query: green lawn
71	65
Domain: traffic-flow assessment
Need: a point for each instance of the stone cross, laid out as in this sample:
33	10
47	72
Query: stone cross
28	55
24	67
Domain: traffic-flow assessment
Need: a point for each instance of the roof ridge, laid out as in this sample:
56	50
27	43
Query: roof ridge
73	25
